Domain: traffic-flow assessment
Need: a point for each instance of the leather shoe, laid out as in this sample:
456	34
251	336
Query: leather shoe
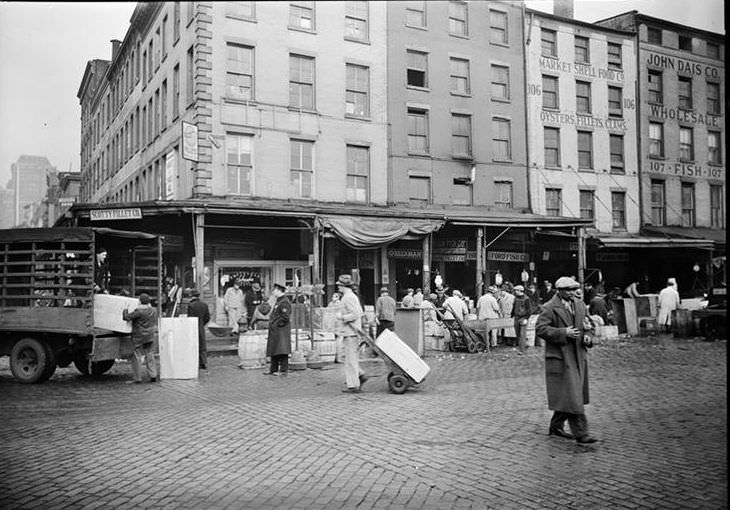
554	431
271	373
351	390
586	440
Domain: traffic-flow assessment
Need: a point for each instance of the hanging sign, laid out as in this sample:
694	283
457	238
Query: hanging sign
189	141
508	256
170	175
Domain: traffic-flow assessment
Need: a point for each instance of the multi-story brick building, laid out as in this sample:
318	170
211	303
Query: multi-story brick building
581	109
681	97
219	122
28	184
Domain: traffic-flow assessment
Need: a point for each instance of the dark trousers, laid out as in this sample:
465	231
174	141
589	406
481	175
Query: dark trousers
383	326
578	423
280	363
202	352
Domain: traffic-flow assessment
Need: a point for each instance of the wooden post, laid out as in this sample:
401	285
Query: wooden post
199	251
480	262
426	274
581	255
316	269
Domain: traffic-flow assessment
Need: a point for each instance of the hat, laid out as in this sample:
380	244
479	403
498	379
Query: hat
520	288
264	308
101	249
432	297
280	287
492	289
384	289
567	283
344	280
144	298
671	281
456	293
195	293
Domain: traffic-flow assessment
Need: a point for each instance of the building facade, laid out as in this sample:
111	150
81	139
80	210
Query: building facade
28	184
681	106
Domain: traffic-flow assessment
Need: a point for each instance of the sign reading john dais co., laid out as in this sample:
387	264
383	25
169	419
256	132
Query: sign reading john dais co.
131	213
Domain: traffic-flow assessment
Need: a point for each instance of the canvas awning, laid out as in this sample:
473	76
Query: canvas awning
368	233
608	241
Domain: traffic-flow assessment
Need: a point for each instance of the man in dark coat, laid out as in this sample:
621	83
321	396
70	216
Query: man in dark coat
102	273
562	324
144	335
278	345
251	299
198	309
521	313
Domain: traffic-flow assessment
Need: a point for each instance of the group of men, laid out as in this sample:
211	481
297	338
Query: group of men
240	306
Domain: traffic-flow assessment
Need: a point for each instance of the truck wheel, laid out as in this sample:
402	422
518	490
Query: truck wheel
29	361
397	383
101	367
51	360
97	368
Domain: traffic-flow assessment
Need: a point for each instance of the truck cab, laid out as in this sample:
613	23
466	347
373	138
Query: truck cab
48	286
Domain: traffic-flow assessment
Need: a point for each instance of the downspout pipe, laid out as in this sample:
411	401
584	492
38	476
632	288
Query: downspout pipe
524	92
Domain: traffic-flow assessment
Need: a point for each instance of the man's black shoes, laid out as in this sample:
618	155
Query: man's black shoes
554	431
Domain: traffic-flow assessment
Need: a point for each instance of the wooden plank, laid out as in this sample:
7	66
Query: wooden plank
46	319
111	347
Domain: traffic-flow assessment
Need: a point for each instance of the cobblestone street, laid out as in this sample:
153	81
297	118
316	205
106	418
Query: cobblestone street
474	435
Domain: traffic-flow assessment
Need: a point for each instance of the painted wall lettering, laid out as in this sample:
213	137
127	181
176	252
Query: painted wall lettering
680	115
682	66
585	70
686	169
614	124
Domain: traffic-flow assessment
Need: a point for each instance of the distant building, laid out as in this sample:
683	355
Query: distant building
28	182
63	192
7	205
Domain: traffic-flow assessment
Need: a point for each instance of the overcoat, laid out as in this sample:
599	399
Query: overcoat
198	309
566	369
279	339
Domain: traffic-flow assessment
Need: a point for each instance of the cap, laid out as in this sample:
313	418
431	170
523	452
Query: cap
671	281
344	280
280	287
384	289
432	297
144	298
567	283
520	288
456	293
492	289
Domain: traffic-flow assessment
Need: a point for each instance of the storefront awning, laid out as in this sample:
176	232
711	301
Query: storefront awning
361	233
608	241
717	236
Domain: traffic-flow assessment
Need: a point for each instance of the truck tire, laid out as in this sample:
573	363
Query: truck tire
97	368
51	360
29	361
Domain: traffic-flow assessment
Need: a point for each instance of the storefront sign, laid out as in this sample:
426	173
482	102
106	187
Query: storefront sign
686	169
508	256
553	64
189	141
132	213
680	115
612	257
66	201
583	120
170	175
682	66
405	253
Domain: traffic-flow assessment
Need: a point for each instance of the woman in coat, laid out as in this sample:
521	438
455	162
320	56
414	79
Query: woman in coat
562	324
278	344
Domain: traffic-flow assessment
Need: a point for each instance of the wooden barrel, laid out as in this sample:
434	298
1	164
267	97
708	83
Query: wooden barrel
327	350
682	323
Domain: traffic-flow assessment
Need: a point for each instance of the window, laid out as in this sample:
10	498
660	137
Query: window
614	56
245	10
143	126
615	101
713	50
713	98
356	20
461	194
617	154
585	149
582	97
553	201
418	131
176	22
501	139
176	91
656	139
239	157
587	204
658	203
357	94
136	140
500	82
582	52
301	15
150	63
158	48
459	78
419	190
688	204
498	27
144	67
460	134
137	55
548	43
190	12
654	35
503	191
656	94
189	92
716	203
686	144
618	210
685	43
416	14
417	69
163	106
302	167
552	147
457	18
713	147
301	82
549	92
157	114
239	72
685	93
358	172
163	41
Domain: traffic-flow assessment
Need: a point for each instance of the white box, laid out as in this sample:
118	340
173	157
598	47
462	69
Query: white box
403	356
178	348
108	312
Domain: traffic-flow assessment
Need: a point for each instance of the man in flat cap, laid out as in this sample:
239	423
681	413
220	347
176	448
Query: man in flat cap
384	311
349	317
562	324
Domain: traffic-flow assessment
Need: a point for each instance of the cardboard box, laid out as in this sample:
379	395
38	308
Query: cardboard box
108	312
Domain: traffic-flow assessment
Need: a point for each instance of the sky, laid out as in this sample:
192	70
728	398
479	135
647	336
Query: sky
44	48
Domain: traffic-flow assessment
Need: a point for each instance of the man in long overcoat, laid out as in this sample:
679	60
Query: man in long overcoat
562	324
198	309
278	345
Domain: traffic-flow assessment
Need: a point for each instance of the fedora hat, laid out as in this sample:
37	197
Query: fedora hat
344	280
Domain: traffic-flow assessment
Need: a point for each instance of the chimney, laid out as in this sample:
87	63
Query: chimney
563	8
116	44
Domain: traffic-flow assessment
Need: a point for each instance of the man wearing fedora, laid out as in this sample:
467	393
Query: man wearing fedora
349	317
199	309
563	324
278	343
